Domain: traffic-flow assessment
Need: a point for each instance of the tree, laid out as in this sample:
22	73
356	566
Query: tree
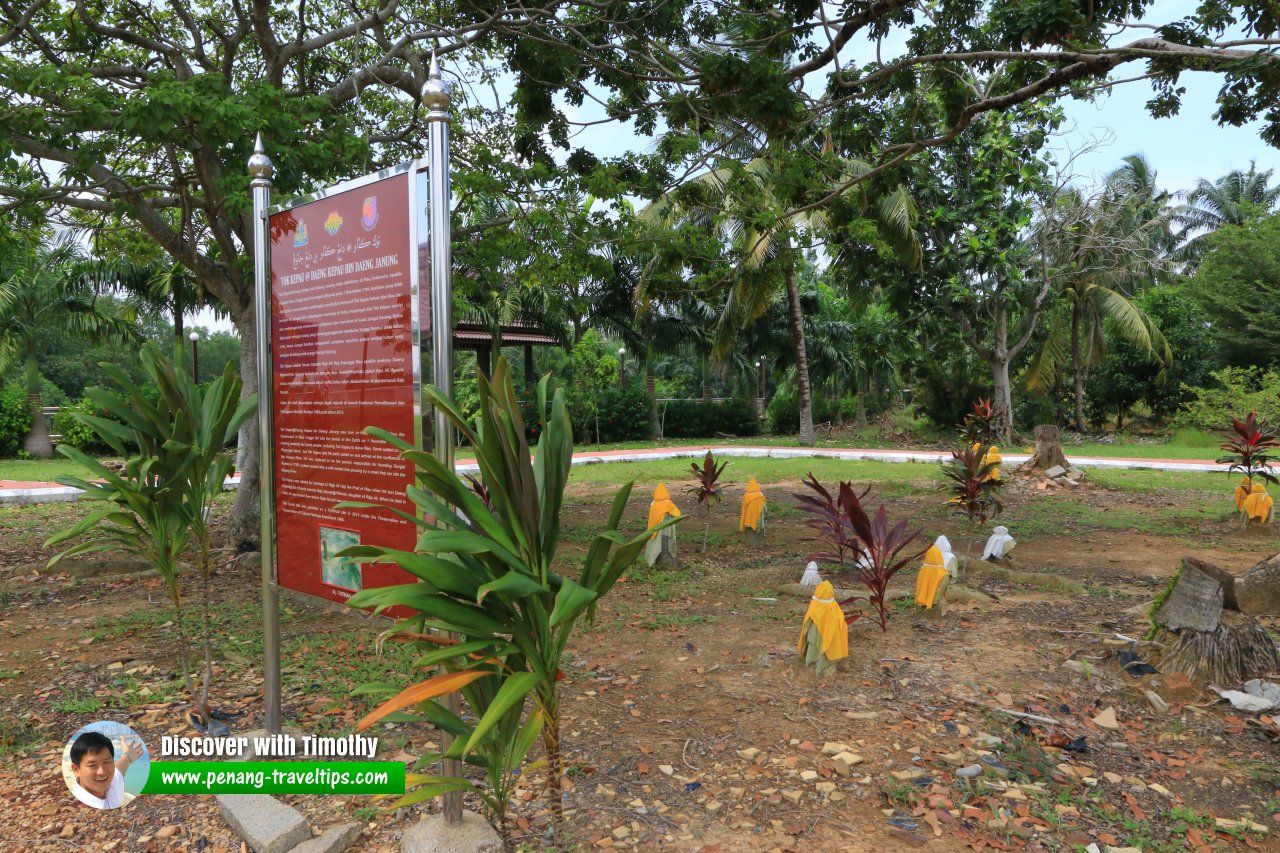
1096	253
1230	200
744	204
1238	286
978	197
146	116
1131	375
42	296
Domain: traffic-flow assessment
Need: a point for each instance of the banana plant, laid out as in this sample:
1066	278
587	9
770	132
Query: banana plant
175	466
484	574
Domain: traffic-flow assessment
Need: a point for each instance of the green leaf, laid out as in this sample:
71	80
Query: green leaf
570	601
511	585
510	695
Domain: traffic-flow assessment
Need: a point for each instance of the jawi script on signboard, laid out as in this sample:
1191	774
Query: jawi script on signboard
344	357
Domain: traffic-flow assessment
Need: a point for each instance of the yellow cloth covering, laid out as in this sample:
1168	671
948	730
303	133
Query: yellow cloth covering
825	614
1242	492
752	507
993	458
929	581
1258	505
661	507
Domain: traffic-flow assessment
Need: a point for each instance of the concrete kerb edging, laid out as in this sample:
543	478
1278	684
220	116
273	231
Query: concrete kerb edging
34	494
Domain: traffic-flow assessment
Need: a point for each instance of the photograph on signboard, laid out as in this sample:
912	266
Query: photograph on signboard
342	572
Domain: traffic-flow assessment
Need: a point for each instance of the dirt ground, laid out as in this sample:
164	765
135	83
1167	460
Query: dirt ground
689	724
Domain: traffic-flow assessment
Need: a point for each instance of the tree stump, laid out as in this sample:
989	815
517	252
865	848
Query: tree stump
1258	589
1206	635
1048	449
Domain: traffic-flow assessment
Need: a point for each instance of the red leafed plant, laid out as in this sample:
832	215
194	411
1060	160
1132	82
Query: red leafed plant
707	488
974	493
979	426
867	548
1251	450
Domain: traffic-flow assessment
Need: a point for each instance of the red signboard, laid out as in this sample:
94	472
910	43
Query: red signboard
344	359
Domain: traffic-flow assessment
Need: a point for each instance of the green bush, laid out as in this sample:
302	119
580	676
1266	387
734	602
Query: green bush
620	413
1236	392
15	418
696	419
783	414
75	433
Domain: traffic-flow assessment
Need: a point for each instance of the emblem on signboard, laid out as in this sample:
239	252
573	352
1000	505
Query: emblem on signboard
369	213
333	224
300	237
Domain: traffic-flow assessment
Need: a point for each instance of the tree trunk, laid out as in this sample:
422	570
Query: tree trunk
807	436
862	407
1077	367
650	390
1000	358
246	530
835	392
706	379
530	379
1048	449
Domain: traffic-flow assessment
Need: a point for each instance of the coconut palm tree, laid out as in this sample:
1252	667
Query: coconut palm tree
43	293
757	211
1097	253
1230	200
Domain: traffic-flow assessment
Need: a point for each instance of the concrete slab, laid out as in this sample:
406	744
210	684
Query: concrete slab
268	825
334	840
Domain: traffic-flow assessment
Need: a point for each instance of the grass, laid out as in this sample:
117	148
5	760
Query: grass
75	703
767	471
39	470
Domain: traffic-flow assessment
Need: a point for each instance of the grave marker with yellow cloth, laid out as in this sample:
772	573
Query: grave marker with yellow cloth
1242	493
661	547
753	508
932	580
824	636
1257	507
661	507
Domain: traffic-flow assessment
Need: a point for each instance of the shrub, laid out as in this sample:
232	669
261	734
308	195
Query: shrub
486	574
696	419
1236	392
78	434
1251	449
974	492
783	414
15	418
174	469
867	548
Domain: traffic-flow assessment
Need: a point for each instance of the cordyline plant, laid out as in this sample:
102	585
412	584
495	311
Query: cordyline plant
1252	449
707	488
974	492
174	468
979	426
867	548
484	574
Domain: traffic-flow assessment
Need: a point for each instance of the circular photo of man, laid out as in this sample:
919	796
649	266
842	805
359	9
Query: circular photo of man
105	764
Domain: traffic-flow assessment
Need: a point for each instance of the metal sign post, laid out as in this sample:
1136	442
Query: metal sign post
435	97
262	170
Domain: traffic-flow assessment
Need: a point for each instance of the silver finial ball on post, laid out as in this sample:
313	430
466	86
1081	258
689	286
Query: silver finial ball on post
260	165
435	92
